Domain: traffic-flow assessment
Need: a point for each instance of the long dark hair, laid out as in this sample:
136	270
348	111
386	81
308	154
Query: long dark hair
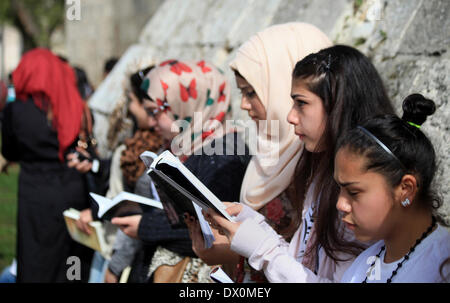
351	91
412	151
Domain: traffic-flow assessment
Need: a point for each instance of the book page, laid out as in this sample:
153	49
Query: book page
147	157
187	183
208	235
136	198
123	209
219	276
124	199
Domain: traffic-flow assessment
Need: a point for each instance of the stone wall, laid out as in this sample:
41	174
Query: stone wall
106	29
408	42
10	50
410	45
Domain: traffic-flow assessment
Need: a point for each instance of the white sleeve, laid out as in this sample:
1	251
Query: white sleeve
248	212
115	177
268	251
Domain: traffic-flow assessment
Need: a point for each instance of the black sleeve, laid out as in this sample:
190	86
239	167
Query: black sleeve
222	174
102	176
9	141
154	229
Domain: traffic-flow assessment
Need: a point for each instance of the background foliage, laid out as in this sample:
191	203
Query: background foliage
35	19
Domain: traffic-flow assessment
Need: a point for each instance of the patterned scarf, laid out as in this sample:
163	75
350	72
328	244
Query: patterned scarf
194	94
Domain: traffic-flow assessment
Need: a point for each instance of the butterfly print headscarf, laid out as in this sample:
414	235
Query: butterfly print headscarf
194	93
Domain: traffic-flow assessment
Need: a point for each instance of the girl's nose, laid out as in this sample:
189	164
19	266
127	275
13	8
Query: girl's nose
292	117
245	105
151	121
343	204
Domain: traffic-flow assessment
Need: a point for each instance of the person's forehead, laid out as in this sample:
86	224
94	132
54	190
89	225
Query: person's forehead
348	162
242	82
300	84
148	103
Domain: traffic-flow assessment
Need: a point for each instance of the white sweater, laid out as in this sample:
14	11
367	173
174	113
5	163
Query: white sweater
421	267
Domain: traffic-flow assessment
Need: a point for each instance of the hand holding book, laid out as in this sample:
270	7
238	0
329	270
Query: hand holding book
178	188
218	253
196	235
129	224
83	222
98	237
224	226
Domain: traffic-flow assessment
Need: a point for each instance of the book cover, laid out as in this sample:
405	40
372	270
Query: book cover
178	188
96	240
124	204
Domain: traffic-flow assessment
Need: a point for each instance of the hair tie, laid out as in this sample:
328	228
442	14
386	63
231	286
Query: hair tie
413	124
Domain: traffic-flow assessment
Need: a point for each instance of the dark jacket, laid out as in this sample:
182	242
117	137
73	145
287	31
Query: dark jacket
222	174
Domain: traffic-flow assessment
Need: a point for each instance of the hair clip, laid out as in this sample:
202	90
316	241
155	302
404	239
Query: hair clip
164	106
329	62
381	144
141	74
161	108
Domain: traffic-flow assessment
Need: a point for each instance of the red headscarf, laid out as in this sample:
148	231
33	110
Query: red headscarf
44	76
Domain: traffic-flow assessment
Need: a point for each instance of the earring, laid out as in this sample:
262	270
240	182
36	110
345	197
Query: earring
406	202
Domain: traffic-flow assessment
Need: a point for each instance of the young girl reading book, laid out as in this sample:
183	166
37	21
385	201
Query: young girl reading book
333	90
385	168
263	69
190	102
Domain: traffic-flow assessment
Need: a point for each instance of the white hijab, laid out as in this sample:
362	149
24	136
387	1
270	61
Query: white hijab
267	61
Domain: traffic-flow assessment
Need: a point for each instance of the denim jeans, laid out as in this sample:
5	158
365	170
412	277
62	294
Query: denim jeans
98	268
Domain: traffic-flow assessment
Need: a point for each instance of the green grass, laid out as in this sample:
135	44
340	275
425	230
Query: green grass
8	214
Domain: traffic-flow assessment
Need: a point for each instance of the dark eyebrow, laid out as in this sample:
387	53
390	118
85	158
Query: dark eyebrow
346	183
297	95
343	184
245	87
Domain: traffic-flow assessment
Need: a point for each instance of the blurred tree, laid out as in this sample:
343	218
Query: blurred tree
35	19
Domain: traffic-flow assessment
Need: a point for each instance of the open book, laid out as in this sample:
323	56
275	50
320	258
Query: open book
124	204
97	240
178	188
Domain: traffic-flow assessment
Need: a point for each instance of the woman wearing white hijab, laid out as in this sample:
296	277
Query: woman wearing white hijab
263	67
